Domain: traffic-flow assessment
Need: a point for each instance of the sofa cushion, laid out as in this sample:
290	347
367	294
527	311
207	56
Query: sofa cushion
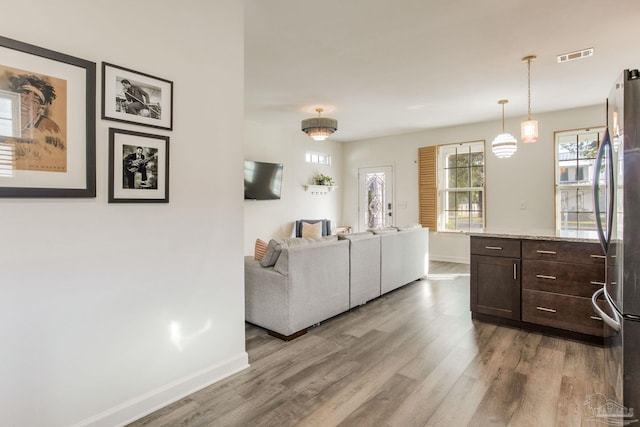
282	264
409	227
312	230
356	236
273	252
260	249
384	230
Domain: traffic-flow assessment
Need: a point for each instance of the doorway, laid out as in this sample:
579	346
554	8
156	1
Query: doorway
375	197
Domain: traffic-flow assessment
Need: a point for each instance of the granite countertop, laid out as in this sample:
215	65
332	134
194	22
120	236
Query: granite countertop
557	235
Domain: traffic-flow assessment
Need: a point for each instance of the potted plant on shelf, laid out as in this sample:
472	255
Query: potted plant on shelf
321	179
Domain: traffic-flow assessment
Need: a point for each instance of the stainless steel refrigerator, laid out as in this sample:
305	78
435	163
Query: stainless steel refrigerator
617	196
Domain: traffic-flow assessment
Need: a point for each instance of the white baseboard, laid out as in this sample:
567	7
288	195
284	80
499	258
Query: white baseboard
460	260
153	400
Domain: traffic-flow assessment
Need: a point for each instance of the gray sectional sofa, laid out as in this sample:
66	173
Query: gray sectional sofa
302	282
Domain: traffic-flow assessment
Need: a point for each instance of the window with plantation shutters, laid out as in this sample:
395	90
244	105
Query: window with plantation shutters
451	186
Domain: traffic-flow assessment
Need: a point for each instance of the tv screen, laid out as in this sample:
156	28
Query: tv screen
262	181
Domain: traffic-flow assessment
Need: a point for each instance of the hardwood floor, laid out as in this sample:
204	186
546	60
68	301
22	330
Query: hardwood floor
413	357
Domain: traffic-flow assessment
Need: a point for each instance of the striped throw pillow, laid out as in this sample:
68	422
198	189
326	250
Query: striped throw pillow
261	248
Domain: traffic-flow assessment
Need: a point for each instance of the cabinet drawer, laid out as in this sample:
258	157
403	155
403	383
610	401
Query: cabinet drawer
561	311
491	246
562	278
575	252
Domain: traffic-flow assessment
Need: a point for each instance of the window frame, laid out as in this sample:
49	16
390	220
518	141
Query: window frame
315	157
583	188
443	188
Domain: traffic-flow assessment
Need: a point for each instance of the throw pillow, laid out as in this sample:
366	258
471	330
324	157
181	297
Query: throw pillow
260	249
273	252
312	230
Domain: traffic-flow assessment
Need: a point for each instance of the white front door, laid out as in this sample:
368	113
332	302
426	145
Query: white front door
375	197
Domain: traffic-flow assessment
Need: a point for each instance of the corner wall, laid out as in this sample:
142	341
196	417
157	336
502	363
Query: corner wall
528	176
109	311
267	219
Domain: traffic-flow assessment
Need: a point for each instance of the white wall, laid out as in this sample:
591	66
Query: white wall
267	219
88	298
528	176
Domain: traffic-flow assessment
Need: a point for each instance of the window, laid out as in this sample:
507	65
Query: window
318	158
9	113
576	152
461	186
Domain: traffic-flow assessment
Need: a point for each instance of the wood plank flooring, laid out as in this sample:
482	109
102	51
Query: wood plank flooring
413	357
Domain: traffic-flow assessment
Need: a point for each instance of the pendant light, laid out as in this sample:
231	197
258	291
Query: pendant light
319	128
505	144
529	128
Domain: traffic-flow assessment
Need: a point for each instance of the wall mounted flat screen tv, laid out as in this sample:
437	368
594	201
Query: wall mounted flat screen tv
262	181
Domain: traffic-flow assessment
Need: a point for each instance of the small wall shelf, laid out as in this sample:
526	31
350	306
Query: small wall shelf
319	189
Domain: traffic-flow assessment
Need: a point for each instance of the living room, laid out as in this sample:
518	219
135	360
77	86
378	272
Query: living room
111	311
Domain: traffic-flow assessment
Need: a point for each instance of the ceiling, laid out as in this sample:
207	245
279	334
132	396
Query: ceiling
384	67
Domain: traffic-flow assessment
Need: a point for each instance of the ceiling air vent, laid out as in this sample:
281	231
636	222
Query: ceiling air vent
578	54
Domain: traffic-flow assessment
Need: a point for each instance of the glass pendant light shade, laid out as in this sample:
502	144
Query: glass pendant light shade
529	128
505	144
529	131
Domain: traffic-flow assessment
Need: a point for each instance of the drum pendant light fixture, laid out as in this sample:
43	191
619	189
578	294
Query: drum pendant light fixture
319	128
529	128
505	144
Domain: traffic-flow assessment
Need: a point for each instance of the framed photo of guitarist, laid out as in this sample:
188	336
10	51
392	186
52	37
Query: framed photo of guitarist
132	97
138	167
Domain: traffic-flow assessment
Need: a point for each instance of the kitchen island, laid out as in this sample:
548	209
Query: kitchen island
540	280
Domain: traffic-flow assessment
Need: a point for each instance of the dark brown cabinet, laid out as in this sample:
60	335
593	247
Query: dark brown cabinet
544	284
495	277
558	279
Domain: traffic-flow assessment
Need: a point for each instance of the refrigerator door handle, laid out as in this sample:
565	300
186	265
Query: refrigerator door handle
613	323
604	154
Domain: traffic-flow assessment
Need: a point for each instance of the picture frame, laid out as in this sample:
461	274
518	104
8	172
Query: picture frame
48	137
130	96
138	167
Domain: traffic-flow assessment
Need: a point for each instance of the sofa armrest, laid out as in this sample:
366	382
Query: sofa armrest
266	296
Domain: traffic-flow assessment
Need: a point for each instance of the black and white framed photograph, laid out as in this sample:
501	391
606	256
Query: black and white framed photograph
130	96
47	123
138	167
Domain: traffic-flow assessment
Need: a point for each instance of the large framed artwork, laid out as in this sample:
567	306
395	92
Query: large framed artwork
132	97
47	123
138	167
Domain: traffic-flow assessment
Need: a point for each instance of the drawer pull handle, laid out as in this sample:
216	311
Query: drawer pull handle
596	318
493	248
548	310
593	282
546	252
598	256
542	276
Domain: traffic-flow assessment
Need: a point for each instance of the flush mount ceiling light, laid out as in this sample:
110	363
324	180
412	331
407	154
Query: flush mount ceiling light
319	128
529	128
505	144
